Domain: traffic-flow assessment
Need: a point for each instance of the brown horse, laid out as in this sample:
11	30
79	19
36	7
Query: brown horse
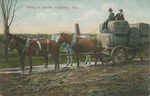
82	45
32	48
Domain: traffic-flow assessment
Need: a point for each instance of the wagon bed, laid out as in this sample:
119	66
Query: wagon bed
121	54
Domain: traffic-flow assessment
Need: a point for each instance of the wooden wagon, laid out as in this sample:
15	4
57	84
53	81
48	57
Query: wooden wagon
121	54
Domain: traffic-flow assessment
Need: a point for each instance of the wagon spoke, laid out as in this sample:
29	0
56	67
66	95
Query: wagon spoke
119	55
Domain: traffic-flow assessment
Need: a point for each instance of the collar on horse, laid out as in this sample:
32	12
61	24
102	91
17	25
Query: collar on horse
74	40
26	45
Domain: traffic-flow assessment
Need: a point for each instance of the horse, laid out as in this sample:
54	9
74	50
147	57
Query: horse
69	50
82	45
32	48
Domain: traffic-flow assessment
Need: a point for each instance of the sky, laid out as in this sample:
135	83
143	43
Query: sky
54	16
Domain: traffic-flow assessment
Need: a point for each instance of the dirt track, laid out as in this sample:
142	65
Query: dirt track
39	69
131	79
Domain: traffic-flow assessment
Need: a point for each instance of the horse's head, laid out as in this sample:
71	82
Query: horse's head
12	43
64	37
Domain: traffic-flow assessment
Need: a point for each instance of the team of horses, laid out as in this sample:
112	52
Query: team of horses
32	48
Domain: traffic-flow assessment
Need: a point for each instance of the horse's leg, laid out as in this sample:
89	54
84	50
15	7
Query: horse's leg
46	61
86	57
100	55
30	62
23	63
77	58
54	58
70	57
96	57
89	58
22	59
57	59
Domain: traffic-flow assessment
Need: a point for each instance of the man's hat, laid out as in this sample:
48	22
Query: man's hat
110	9
121	10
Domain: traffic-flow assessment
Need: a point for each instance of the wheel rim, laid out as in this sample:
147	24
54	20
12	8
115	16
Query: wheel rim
119	55
145	52
105	58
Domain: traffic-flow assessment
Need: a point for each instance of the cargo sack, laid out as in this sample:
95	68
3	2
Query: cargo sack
133	37
118	27
144	39
111	40
143	27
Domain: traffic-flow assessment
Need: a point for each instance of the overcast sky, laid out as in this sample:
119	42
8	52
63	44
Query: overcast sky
52	16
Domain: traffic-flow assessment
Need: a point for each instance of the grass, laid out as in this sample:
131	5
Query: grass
14	60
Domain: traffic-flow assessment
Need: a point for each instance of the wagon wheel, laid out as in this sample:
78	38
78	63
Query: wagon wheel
119	55
145	52
131	55
105	57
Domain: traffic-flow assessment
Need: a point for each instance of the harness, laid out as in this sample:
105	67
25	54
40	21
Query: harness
40	47
74	41
26	45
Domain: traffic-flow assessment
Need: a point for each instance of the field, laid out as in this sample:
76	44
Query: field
130	79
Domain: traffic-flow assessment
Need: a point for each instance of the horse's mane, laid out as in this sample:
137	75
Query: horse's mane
18	38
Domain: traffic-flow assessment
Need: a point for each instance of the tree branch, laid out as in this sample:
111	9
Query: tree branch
14	10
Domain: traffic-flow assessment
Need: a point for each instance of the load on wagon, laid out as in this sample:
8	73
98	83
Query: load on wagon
123	40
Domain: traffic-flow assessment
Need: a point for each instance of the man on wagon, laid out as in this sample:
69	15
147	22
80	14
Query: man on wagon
110	18
119	16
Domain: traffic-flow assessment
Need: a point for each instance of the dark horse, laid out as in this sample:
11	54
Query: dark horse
34	48
82	45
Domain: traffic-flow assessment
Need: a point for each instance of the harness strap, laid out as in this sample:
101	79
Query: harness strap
39	44
40	47
26	45
74	41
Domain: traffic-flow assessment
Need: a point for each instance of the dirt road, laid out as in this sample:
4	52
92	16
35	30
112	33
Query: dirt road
131	79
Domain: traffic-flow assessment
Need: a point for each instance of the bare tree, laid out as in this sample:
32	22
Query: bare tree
8	9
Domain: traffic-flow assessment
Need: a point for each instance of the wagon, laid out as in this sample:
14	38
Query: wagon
121	42
121	54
